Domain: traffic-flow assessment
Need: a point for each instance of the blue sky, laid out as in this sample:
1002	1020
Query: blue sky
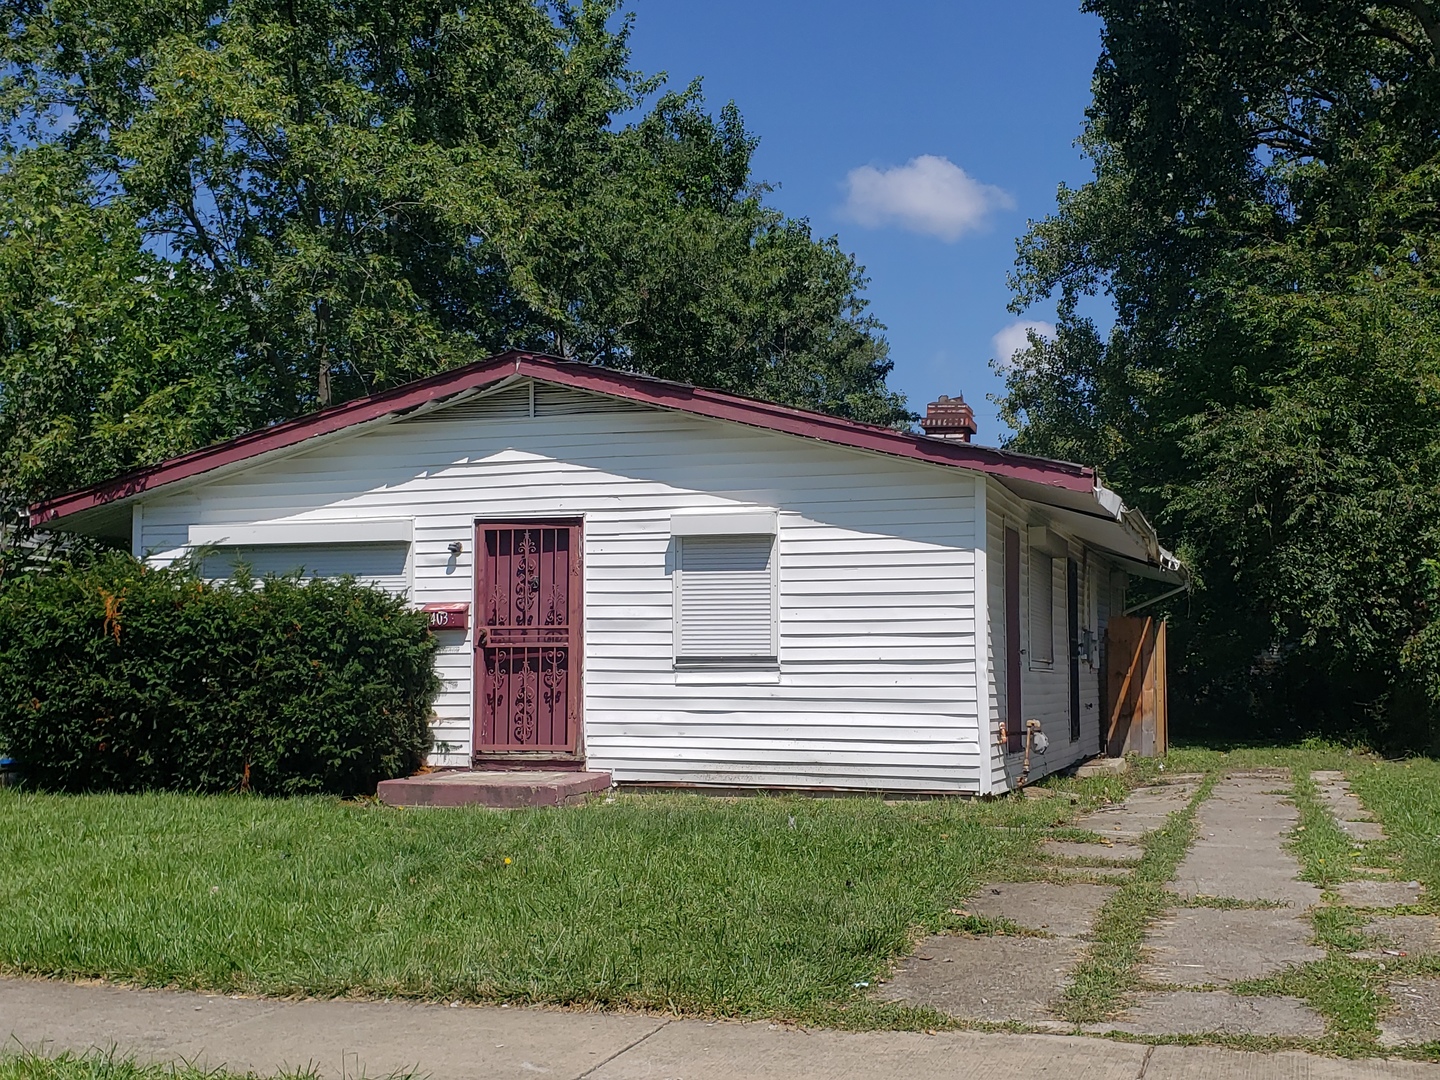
923	133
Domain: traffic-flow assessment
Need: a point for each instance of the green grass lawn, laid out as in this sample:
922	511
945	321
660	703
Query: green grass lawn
759	906
1406	798
778	907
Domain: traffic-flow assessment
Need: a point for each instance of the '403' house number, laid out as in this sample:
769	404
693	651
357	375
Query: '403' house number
448	616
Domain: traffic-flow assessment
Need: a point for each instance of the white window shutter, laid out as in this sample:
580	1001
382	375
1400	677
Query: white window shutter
725	599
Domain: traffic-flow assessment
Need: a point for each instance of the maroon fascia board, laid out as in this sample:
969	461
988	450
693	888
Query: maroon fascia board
582	376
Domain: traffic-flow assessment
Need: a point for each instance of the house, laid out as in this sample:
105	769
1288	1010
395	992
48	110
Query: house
680	586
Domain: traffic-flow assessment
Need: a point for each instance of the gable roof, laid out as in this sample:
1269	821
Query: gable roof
682	397
1059	484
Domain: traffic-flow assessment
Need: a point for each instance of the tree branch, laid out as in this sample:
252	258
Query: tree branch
1273	138
187	207
1279	127
1424	14
1389	33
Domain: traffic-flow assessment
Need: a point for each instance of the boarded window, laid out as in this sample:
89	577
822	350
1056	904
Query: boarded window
1042	608
382	564
725	600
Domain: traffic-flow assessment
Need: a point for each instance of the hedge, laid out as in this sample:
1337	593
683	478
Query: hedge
115	676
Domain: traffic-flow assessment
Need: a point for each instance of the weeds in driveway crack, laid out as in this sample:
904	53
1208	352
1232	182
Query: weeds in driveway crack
1224	903
1327	855
1347	990
1107	971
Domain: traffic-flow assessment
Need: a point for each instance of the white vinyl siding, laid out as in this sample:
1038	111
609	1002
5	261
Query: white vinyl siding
384	564
1042	609
725	600
874	555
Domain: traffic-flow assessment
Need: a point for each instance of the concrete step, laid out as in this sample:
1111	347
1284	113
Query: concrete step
503	789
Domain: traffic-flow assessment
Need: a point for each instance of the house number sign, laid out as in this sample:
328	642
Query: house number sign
448	616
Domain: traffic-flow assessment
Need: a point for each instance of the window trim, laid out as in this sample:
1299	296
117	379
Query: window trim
769	662
308	533
724	523
1038	663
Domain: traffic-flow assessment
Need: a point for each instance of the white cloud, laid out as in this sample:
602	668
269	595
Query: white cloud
928	194
1016	336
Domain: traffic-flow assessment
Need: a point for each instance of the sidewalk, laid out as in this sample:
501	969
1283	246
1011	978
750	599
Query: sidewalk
377	1039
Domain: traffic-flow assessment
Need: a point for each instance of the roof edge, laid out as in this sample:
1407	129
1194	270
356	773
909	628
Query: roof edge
1112	511
713	404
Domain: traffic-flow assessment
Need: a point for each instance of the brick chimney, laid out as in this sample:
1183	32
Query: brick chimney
949	418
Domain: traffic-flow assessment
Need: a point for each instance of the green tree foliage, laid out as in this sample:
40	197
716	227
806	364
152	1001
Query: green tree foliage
246	209
115	676
1263	216
99	340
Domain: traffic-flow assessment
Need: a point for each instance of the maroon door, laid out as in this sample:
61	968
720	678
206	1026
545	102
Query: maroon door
527	637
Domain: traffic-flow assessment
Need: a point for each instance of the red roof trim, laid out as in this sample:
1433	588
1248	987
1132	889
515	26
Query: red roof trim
670	395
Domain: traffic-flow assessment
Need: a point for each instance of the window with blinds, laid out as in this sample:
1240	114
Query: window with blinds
725	601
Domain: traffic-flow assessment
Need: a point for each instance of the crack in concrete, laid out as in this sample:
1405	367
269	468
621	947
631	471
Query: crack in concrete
623	1050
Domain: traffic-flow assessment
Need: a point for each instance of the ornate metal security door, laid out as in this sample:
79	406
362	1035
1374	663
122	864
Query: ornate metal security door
528	642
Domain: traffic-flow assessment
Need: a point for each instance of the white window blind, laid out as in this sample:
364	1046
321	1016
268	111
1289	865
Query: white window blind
384	564
1042	608
725	600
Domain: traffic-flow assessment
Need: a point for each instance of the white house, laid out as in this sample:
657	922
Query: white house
680	586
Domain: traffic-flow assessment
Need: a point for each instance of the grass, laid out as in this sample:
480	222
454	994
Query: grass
1106	973
1307	756
24	1065
1326	853
1405	796
757	906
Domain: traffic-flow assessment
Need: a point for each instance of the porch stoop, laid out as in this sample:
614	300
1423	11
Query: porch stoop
502	790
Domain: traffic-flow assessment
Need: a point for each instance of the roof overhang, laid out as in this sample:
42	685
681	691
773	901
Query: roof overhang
1100	519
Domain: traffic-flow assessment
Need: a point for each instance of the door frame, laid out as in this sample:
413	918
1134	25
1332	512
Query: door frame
1014	679
496	757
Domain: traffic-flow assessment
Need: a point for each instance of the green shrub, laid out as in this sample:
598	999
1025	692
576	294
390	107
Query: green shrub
120	677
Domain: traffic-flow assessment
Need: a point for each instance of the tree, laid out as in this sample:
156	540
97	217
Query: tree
108	354
341	197
1263	218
